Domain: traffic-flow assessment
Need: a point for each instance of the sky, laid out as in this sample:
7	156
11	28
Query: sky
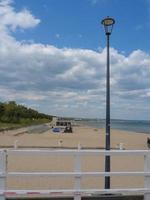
53	57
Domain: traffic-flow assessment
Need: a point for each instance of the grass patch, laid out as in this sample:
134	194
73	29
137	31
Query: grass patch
22	123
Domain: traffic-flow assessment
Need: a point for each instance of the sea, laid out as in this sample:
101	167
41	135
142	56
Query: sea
138	126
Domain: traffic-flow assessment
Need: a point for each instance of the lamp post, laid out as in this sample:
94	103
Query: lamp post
108	26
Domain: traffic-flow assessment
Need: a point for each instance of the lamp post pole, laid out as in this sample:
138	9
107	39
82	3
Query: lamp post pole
107	141
108	25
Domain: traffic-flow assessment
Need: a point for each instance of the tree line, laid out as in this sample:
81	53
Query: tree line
11	112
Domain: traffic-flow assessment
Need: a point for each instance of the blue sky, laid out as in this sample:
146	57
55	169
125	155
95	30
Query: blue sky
53	56
78	23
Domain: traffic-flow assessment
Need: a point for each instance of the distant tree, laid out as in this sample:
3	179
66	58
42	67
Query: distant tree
2	110
13	113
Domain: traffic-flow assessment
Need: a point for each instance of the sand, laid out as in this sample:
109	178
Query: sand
82	136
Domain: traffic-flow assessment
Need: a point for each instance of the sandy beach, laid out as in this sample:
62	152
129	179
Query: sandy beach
82	136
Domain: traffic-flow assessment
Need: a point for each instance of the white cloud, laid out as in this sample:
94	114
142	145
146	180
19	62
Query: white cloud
57	35
12	19
72	76
94	2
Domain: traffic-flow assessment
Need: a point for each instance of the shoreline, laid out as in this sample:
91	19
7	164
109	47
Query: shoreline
112	129
137	126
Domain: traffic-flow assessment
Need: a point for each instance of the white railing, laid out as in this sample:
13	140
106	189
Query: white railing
77	192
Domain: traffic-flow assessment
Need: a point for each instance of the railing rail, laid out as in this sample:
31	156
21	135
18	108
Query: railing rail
81	174
77	191
81	152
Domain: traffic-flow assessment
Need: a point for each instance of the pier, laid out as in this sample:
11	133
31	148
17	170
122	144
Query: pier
77	192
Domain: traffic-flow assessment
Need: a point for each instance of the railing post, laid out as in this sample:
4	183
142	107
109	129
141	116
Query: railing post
77	168
147	177
3	161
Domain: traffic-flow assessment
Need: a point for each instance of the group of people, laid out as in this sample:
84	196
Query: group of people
68	129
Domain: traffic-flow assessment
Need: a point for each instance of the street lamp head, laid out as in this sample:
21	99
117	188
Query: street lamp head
108	25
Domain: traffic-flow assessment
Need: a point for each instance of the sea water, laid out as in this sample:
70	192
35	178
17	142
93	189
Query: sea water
139	126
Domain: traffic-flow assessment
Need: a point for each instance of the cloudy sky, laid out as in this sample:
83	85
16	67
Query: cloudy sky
53	56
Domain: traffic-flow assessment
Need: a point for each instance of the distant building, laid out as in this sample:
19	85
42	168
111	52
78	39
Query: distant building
61	122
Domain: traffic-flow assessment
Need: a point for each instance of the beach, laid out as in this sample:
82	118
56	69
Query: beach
86	137
83	137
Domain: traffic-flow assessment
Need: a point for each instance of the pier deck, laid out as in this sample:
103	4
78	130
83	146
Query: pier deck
102	197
